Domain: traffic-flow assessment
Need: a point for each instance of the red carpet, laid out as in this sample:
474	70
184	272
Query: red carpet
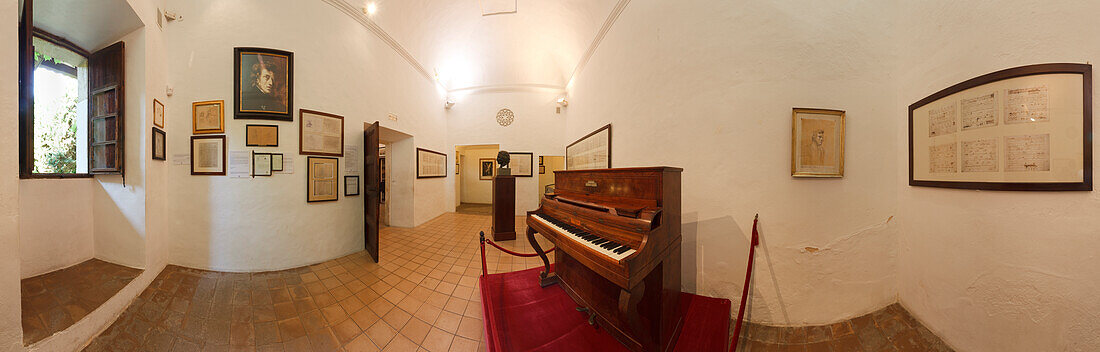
521	316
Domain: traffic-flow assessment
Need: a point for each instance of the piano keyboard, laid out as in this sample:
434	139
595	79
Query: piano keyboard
606	247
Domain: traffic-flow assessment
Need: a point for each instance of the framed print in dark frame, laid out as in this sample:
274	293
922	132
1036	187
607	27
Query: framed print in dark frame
261	164
593	151
276	161
210	160
159	144
430	164
263	84
261	135
522	164
318	134
351	186
487	168
1027	128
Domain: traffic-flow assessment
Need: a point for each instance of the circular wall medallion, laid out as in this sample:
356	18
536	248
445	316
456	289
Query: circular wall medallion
505	117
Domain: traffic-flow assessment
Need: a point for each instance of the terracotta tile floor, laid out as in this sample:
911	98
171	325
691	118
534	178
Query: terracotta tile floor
889	329
421	296
54	301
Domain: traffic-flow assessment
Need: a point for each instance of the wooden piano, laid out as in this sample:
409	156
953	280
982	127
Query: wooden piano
617	233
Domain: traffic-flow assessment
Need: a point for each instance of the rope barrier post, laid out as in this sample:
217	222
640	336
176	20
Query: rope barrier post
484	270
745	290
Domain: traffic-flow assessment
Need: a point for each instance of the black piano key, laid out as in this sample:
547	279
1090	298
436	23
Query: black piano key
612	247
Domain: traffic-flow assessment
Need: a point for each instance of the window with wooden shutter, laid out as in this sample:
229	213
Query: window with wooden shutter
106	110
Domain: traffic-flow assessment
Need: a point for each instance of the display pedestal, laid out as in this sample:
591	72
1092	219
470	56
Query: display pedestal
504	208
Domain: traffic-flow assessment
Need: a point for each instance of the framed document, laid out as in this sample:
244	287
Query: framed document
488	168
320	133
351	185
590	152
521	164
261	164
276	161
542	169
321	176
208	117
158	144
430	163
263	84
208	155
158	113
1027	128
261	135
817	143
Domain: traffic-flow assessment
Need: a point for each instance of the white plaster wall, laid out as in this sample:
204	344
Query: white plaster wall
709	86
11	328
265	223
474	189
997	271
536	129
55	224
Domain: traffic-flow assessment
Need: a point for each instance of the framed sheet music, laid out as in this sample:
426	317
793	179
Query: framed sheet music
521	164
1027	128
320	133
321	177
430	163
592	151
208	155
261	135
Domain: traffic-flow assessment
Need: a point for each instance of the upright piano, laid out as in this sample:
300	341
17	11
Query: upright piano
617	234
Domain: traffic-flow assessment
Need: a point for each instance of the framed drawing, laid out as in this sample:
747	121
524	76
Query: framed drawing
1027	128
208	117
430	163
276	161
321	177
261	135
263	84
521	164
488	167
208	155
542	169
351	186
817	143
158	144
592	151
320	133
261	164
158	113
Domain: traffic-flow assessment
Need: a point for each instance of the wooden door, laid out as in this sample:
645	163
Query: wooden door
372	184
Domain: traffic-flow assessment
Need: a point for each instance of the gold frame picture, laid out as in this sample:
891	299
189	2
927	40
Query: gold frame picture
817	143
207	120
158	113
322	179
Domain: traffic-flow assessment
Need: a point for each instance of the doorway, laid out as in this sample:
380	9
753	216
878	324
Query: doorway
548	164
473	184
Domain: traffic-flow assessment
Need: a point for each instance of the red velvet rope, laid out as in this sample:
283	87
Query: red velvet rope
515	253
745	290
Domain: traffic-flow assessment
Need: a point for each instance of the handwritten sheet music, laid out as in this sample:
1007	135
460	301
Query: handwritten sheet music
942	158
322	134
1026	105
942	121
978	112
1027	152
979	155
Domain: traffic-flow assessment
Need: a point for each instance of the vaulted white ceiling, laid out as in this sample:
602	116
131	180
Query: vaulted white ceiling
539	45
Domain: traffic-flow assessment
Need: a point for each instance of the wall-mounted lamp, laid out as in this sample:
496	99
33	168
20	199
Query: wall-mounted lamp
165	16
448	104
562	102
371	8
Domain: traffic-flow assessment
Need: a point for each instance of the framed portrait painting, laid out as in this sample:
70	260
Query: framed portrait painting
817	143
487	168
263	84
208	117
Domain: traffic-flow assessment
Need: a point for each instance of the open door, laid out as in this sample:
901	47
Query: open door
372	188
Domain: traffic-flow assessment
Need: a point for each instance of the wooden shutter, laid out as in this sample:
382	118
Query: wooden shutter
26	91
105	110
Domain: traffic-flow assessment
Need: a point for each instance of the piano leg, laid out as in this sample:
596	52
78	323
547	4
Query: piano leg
546	278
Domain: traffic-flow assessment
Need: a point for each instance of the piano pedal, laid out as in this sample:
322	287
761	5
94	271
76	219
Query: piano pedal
591	315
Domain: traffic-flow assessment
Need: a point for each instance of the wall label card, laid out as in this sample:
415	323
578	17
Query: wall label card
1027	128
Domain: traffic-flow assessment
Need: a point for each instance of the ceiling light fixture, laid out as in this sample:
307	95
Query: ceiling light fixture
371	8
